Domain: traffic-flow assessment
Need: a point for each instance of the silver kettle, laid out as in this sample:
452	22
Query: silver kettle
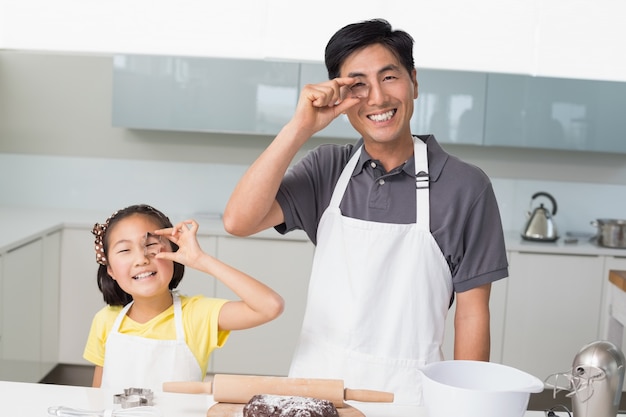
540	225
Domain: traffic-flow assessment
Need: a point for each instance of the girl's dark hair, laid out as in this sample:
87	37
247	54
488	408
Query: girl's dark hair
111	291
357	36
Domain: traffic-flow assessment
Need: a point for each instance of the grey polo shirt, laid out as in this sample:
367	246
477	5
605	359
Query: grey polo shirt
464	216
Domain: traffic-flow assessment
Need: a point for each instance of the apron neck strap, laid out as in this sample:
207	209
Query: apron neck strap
178	317
422	184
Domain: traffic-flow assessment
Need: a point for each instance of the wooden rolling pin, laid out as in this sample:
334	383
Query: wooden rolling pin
239	389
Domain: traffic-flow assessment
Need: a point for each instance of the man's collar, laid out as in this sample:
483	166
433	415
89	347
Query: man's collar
437	158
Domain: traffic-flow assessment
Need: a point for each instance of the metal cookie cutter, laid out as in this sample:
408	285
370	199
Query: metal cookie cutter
134	397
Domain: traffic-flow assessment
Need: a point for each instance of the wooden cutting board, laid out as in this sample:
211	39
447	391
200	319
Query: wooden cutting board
236	410
618	278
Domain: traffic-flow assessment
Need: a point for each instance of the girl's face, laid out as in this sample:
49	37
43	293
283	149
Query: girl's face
130	257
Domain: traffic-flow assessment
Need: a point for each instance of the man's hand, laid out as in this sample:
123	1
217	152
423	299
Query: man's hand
319	104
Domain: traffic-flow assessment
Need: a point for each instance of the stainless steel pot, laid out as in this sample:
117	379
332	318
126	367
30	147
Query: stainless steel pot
611	232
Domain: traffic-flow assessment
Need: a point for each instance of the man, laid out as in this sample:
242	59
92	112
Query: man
399	225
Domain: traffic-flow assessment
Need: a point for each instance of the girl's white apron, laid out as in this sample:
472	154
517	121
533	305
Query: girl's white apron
378	297
139	362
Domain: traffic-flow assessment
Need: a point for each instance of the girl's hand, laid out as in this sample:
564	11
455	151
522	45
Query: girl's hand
183	234
258	303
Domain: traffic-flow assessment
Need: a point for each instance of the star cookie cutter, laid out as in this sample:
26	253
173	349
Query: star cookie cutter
134	397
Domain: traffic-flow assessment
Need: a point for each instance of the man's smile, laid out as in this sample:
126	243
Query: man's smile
382	117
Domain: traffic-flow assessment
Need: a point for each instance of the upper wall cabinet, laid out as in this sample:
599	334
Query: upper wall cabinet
553	113
458	107
203	94
450	105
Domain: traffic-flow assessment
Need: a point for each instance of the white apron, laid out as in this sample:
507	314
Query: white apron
139	362
378	298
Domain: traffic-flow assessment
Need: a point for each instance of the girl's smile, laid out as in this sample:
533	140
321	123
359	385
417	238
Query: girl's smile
144	275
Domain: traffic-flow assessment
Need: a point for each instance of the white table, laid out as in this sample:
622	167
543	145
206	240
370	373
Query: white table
33	400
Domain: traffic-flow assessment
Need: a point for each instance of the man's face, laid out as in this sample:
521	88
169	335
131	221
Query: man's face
386	90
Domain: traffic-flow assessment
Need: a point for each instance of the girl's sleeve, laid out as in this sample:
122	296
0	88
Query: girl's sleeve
94	348
201	316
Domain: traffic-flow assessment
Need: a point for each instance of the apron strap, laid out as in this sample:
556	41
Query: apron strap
344	179
120	317
178	317
422	185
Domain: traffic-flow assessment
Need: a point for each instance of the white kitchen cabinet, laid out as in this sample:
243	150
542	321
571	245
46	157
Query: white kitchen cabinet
29	300
497	306
285	266
30	297
21	305
1	310
80	297
50	297
552	310
619	264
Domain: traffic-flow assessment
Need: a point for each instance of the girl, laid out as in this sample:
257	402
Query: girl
147	334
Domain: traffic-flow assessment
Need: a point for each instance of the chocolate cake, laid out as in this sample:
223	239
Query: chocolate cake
265	405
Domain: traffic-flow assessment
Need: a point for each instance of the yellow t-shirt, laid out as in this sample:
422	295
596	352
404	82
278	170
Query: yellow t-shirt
200	316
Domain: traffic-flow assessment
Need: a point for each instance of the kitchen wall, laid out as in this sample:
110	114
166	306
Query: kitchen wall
58	149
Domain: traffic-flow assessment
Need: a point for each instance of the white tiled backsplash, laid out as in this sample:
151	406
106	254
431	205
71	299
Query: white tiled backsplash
184	189
110	184
577	203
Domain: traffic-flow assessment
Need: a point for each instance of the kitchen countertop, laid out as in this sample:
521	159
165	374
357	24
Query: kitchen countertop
20	225
583	246
30	399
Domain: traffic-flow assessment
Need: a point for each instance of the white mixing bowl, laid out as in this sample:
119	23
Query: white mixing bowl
477	389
